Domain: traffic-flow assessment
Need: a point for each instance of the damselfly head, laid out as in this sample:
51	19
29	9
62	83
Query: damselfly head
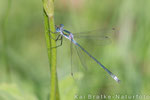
61	25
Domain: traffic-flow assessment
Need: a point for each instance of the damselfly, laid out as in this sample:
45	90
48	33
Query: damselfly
68	35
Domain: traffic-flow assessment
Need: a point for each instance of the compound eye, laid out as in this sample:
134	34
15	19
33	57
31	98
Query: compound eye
61	25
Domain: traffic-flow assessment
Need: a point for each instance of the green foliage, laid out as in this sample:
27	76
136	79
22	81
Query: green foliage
12	92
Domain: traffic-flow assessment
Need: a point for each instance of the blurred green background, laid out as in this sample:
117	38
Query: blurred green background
24	67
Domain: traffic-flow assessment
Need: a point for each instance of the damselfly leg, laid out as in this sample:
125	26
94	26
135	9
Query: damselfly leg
59	37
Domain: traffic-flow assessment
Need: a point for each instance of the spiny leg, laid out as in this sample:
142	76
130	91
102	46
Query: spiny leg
52	32
61	39
57	37
52	37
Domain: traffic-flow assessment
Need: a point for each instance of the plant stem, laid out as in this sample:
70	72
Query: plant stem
49	25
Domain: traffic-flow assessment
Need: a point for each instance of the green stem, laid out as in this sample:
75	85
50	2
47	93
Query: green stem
49	25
